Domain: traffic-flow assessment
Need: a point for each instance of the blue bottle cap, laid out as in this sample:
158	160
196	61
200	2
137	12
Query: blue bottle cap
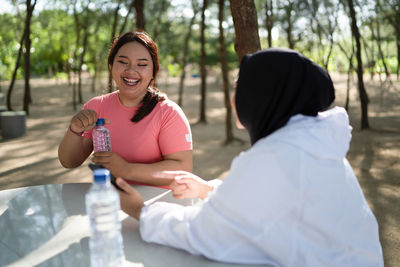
101	175
100	122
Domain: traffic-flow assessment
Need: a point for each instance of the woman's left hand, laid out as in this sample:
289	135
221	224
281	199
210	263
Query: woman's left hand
112	161
131	201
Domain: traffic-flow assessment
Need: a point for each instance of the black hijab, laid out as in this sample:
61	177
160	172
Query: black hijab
274	85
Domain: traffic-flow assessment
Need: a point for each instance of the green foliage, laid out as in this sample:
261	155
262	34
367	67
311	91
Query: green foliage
51	40
391	64
54	36
174	69
9	39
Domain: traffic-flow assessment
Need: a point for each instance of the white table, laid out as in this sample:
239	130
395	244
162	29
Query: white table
47	226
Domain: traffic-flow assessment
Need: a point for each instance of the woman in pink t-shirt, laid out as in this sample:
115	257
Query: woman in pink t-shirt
149	132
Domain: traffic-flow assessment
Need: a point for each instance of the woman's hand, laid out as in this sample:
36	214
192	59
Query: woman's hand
131	201
185	184
84	120
112	161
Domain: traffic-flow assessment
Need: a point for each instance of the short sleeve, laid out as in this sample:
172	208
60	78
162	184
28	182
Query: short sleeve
175	133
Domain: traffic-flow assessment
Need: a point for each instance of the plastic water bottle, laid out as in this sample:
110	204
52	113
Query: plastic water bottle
102	206
101	137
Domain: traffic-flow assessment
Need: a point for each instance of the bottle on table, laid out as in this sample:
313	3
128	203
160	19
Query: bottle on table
101	137
102	206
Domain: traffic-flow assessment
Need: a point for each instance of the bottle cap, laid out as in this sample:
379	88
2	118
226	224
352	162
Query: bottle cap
101	175
100	122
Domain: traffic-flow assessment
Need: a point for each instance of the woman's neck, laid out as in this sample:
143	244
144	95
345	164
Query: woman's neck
130	102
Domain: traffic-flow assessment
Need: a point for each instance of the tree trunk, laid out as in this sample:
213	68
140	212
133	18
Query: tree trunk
225	80
140	21
95	58
203	63
244	16
82	55
17	64
115	22
349	71
25	37
161	9
74	90
27	62
67	69
369	54
378	39
393	16
185	53
113	32
331	30
78	27
349	78
398	54
269	22
326	63
361	89
131	6
289	28
94	78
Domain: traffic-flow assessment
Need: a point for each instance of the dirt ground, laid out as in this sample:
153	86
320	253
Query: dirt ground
374	154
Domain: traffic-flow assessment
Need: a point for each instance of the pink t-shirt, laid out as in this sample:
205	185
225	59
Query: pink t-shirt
164	131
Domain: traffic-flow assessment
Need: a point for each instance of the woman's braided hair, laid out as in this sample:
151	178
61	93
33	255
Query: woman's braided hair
153	95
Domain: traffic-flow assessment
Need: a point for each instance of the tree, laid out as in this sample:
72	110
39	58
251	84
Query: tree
185	52
78	28
361	88
244	16
269	21
225	80
289	19
394	20
377	36
14	75
27	62
130	8
27	40
203	71
83	53
323	27
113	33
140	20
391	11
161	8
95	57
350	70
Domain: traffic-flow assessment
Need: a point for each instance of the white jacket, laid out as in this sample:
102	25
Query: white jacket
290	200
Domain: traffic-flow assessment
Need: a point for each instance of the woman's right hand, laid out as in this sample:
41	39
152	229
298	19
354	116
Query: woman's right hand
84	120
186	184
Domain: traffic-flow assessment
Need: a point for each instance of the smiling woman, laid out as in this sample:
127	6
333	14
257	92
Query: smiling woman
149	132
132	73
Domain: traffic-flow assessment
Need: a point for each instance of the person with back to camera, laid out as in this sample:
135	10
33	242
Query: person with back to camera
148	131
292	199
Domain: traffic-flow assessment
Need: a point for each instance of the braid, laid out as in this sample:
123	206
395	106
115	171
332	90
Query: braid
149	101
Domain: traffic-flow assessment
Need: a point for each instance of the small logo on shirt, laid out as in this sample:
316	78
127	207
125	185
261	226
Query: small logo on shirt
188	138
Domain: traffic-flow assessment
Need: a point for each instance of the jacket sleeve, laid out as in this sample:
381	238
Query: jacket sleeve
233	224
175	225
200	230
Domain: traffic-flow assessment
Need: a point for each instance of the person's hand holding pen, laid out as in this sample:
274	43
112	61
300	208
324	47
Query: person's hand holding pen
185	184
